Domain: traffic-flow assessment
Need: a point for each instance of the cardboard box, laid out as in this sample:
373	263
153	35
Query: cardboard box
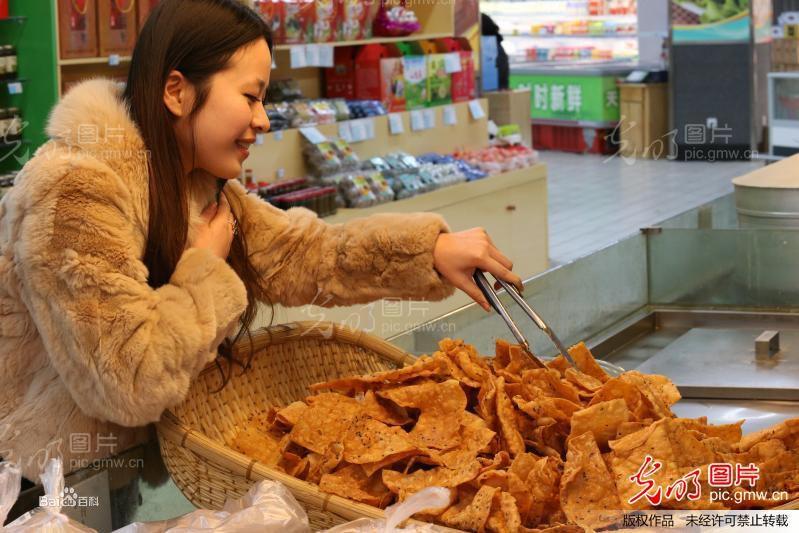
414	70
77	28
116	22
463	82
379	75
511	107
340	79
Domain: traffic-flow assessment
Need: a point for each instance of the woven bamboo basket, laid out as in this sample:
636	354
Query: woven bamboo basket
194	436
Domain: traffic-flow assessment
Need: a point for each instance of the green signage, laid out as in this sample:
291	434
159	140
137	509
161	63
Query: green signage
584	98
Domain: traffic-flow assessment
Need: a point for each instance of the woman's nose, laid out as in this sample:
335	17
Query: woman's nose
260	120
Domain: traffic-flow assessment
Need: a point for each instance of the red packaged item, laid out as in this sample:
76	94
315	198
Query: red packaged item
379	76
298	19
77	21
144	7
271	12
355	20
463	83
325	26
340	79
3	9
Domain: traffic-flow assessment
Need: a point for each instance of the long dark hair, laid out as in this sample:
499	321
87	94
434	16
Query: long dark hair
196	38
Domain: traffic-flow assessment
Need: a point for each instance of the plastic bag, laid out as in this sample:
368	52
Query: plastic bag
48	517
267	507
10	478
429	498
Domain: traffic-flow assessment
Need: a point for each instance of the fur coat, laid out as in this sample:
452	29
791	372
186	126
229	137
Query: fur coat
90	354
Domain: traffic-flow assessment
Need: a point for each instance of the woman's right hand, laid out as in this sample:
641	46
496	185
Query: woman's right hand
216	232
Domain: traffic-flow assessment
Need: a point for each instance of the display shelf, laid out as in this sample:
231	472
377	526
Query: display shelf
91	61
374	40
281	151
14	20
529	35
511	207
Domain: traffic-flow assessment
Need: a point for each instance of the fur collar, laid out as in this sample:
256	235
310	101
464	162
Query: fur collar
92	120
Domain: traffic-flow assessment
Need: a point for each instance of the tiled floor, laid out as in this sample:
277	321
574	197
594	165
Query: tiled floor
595	200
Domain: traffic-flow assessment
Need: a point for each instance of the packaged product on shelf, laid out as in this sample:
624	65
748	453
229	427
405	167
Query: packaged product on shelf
395	21
340	79
355	20
116	23
439	82
408	185
365	108
325	26
298	19
278	117
286	90
77	28
356	190
414	67
322	158
346	155
325	112
281	187
380	187
378	75
271	12
463	82
303	114
341	108
496	160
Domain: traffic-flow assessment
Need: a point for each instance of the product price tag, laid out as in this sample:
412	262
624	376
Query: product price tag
450	116
417	120
298	57
358	130
429	119
395	125
15	88
278	135
326	56
476	110
452	62
259	139
274	61
369	127
312	55
313	135
344	131
113	60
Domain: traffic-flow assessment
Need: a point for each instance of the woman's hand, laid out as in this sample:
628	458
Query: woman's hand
216	233
457	255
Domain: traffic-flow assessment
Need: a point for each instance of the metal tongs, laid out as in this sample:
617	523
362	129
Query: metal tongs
492	297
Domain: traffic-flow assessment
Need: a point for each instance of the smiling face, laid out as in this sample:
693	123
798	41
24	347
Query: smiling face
221	132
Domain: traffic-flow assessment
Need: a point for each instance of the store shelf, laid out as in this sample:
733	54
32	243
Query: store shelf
281	152
575	36
375	40
91	61
13	20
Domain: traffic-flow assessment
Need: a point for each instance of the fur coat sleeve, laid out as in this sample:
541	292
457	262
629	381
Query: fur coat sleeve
124	350
305	260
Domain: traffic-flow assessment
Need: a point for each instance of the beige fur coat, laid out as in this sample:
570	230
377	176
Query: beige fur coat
89	353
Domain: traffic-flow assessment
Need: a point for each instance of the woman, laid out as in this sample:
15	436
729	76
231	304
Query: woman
121	274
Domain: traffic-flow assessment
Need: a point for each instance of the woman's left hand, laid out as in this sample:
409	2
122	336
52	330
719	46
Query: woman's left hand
457	255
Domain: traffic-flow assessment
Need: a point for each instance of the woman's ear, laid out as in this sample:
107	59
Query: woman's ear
175	93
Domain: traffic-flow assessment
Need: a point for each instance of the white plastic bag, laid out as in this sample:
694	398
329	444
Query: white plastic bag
267	507
10	478
429	498
46	518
